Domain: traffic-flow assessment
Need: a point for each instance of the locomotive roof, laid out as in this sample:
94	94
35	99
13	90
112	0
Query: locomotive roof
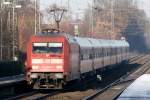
52	34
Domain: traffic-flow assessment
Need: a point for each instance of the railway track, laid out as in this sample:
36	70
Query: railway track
78	95
113	90
135	58
73	94
34	95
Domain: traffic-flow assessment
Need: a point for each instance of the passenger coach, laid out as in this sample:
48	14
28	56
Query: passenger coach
54	59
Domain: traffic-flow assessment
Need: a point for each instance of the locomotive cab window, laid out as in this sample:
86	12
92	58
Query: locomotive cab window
55	48
39	48
47	48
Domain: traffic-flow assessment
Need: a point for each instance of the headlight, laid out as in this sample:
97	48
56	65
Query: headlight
56	61
37	61
59	67
35	67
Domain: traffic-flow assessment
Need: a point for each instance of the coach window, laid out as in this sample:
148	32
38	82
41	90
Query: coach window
125	50
99	53
105	51
96	53
111	51
118	50
102	53
122	50
90	56
115	51
108	52
81	57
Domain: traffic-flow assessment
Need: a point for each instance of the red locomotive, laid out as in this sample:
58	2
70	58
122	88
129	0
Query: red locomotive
54	59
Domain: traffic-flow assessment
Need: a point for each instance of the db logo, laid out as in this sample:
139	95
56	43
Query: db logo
47	55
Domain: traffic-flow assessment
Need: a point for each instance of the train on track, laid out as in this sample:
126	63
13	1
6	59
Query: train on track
56	58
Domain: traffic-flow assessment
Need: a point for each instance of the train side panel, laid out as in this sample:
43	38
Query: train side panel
106	56
74	62
86	64
113	56
98	60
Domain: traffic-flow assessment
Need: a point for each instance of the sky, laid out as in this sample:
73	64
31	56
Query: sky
76	7
145	4
73	4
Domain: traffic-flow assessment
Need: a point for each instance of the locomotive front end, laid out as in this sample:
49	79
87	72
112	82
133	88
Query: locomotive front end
46	61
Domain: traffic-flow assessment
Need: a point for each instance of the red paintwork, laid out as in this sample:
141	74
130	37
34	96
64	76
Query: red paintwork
48	67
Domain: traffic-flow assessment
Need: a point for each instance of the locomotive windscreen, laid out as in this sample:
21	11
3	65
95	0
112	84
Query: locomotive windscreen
40	47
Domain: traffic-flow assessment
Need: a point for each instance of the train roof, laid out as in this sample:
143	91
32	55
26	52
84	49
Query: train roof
138	90
87	42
